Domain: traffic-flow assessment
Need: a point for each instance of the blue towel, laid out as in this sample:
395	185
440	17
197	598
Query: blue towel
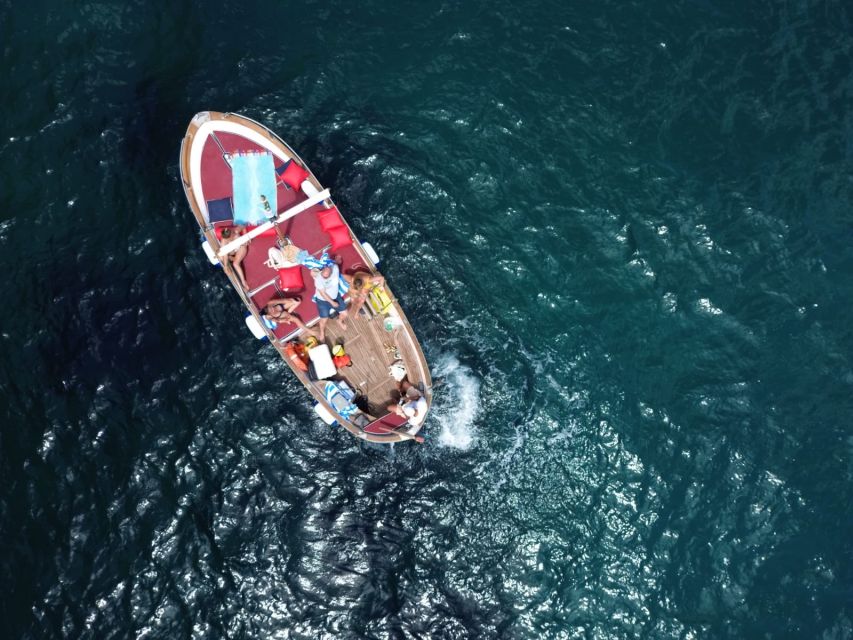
253	175
307	260
341	401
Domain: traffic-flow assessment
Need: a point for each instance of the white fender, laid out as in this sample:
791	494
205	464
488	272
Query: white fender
210	253
309	189
325	415
255	327
371	253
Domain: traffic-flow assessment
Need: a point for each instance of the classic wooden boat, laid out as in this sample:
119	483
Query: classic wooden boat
251	193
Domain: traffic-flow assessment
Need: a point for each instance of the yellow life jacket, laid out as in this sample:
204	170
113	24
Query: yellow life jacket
378	299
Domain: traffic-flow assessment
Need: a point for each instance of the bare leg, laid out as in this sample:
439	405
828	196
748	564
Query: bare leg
355	304
342	318
396	408
228	265
298	322
323	322
239	271
238	266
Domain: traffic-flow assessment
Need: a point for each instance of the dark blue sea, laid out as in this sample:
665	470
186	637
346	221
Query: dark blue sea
622	232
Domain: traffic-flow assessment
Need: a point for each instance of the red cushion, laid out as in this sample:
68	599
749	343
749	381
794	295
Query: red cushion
340	237
290	278
330	218
293	175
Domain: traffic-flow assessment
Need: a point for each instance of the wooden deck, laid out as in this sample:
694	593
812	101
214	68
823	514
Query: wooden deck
364	342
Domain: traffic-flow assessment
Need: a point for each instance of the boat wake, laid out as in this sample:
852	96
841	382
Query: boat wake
456	402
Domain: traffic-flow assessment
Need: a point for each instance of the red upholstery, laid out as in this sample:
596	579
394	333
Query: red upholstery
293	175
304	229
386	424
290	279
264	234
329	219
340	237
268	233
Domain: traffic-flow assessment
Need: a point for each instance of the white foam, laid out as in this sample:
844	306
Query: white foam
456	403
705	305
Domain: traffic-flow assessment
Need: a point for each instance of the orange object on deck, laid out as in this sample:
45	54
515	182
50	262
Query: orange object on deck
297	354
342	361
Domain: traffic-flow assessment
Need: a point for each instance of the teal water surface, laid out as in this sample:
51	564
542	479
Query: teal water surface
621	231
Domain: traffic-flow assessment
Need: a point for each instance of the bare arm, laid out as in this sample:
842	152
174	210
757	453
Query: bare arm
326	297
298	322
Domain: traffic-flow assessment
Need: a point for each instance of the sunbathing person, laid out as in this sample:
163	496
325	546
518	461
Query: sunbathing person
279	306
412	404
236	258
328	297
280	310
360	285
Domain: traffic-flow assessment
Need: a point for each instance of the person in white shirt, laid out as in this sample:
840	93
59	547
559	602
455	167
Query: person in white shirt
412	404
328	297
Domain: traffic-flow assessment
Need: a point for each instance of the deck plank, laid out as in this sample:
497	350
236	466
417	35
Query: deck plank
364	341
369	373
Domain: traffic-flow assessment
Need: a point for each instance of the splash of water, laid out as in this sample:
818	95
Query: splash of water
456	403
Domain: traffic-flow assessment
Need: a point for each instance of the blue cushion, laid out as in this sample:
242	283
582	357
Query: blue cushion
220	210
280	170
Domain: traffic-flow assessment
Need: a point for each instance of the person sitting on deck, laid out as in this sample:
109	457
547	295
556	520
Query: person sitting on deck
360	285
328	296
236	258
412	404
281	310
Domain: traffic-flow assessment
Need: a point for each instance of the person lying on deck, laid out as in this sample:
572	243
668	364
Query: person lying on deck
328	297
360	285
281	310
236	258
412	404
